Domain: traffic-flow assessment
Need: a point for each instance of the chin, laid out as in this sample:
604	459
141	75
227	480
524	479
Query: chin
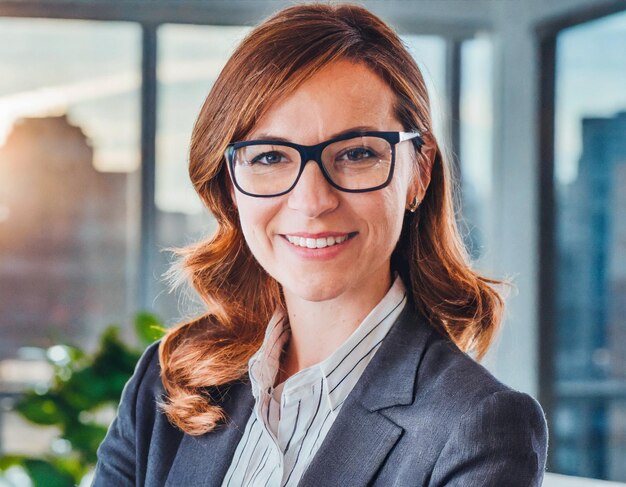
314	290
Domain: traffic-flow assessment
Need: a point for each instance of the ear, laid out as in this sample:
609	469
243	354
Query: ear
421	176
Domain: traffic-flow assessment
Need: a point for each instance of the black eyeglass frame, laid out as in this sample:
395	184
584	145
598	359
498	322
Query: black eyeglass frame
314	152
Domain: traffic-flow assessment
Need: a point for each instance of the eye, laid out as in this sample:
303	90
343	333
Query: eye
269	158
357	154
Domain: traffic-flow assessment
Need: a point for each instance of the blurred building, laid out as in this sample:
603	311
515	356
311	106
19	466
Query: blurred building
592	265
64	242
591	358
62	237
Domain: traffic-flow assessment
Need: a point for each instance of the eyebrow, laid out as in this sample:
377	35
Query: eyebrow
268	136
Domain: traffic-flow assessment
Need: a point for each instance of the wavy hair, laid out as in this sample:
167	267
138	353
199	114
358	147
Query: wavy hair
211	350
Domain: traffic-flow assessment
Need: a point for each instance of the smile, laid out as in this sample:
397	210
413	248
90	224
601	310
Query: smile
318	243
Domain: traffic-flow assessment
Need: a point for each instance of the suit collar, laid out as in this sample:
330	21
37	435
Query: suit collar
390	378
354	448
363	435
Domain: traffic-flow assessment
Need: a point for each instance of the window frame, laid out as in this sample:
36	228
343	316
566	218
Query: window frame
547	33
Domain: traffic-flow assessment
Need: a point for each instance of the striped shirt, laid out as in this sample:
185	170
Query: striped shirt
290	421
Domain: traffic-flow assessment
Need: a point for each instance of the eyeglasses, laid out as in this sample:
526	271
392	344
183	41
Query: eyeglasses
355	162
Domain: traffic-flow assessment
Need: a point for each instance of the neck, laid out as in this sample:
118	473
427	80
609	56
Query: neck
318	328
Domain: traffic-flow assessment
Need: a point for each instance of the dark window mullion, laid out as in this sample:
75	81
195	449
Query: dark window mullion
148	217
453	97
547	242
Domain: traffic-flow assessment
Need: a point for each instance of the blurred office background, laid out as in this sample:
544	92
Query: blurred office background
97	103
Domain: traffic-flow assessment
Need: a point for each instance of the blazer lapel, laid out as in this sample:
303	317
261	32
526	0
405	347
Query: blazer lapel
204	460
354	449
362	435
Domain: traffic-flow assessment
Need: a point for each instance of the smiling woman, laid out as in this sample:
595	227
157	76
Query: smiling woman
341	305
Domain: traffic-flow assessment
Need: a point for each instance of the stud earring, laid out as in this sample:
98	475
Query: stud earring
413	204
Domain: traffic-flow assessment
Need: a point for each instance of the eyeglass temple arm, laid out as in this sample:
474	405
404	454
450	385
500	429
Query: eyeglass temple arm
409	135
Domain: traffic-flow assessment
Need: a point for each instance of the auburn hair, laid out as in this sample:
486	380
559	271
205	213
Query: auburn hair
199	355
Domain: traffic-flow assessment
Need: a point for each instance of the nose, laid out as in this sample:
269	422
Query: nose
313	195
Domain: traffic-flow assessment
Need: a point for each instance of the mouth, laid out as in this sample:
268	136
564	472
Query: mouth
319	241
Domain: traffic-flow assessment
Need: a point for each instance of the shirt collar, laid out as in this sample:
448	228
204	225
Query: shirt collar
344	366
263	365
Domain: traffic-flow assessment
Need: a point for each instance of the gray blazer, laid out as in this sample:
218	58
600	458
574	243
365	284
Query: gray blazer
422	414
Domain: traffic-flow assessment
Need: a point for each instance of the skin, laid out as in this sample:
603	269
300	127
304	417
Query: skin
327	299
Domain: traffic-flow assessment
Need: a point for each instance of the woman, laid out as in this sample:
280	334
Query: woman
340	298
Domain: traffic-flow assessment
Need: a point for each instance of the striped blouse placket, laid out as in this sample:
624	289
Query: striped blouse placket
306	433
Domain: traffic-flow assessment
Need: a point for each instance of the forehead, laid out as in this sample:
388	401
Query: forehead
341	95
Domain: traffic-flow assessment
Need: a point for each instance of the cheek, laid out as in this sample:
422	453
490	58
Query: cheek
394	219
385	218
255	218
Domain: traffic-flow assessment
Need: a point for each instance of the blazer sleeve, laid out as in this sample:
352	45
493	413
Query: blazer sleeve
117	460
501	441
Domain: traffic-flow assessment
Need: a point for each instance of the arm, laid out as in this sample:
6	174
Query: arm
117	453
501	441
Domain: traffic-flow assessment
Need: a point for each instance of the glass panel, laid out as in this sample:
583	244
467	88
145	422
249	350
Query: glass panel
430	55
589	430
69	153
476	106
190	59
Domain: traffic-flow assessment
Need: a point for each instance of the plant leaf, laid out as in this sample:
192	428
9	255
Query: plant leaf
7	461
45	474
148	328
43	409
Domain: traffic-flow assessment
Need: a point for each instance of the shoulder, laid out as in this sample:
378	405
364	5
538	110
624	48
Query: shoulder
488	430
477	426
119	457
452	389
143	390
147	375
468	397
446	371
145	383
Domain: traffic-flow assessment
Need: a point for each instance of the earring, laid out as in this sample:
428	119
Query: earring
413	204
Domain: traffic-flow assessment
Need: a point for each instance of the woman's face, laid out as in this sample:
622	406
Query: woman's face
343	95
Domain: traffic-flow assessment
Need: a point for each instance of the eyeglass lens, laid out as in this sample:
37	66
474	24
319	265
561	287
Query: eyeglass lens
359	163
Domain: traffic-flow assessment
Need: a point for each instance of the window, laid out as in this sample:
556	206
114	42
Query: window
589	357
476	144
430	54
190	59
69	138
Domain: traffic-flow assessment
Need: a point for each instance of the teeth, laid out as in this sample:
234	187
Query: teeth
316	243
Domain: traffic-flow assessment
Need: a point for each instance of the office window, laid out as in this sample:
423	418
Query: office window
69	154
474	152
589	417
189	60
476	144
430	54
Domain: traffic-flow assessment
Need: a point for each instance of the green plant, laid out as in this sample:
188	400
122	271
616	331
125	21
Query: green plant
83	384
